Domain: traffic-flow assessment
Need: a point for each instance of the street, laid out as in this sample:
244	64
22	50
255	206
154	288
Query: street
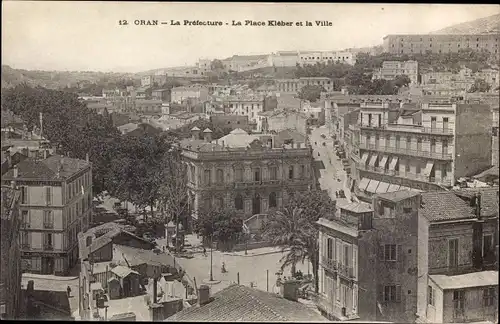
333	165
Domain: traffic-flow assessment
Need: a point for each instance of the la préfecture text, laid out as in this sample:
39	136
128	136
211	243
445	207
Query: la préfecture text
235	23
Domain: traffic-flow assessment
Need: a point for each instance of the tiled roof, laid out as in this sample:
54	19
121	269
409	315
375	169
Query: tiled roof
356	207
397	195
489	199
47	169
122	271
238	303
445	205
135	256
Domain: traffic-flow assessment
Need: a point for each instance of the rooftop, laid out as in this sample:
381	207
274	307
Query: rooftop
238	303
135	256
237	138
55	167
355	207
469	280
445	205
397	196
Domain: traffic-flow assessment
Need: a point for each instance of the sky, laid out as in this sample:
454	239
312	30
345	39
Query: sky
87	36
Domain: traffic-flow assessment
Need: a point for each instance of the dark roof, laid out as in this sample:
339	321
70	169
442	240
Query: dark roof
47	169
396	196
445	205
489	199
238	303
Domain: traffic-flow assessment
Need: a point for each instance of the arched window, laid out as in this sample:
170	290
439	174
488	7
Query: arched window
238	202
272	200
220	176
89	240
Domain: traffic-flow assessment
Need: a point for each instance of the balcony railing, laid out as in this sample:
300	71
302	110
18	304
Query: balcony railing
409	128
48	247
329	264
405	151
406	175
252	184
48	225
346	271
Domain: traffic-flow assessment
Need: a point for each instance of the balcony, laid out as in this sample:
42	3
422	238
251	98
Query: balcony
346	271
255	184
48	247
48	225
405	151
408	128
329	264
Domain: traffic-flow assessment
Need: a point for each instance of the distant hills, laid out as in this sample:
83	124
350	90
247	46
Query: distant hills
487	25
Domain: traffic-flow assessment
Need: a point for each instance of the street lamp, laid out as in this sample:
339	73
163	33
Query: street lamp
211	245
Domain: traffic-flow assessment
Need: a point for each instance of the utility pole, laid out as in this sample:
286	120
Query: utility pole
211	270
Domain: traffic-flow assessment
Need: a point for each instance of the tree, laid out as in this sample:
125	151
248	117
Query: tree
294	228
311	92
219	223
402	81
480	85
216	65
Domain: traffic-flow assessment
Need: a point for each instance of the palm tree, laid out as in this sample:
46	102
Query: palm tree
294	228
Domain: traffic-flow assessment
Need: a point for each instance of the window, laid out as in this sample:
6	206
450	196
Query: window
219	202
329	249
385	210
453	253
388	141
220	176
24	195
207	203
302	171
431	296
419	144
433	145
207	177
238	202
487	244
256	174
459	299
48	219
392	293
238	172
290	172
273	173
390	252
24	237
47	241
489	295
25	219
88	240
272	200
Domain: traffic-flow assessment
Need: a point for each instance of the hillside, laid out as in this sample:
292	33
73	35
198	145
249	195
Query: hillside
485	25
56	79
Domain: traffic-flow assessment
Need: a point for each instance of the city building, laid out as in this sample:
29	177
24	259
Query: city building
230	122
279	120
161	94
242	63
240	303
244	105
413	44
306	58
294	85
55	205
148	107
204	66
427	146
147	81
391	69
494	134
255	174
368	260
315	112
178	94
284	59
10	274
425	257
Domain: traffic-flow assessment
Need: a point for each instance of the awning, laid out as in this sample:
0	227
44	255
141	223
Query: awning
394	161
373	159
363	183
382	187
383	161
372	186
403	188
415	190
428	168
364	158
393	187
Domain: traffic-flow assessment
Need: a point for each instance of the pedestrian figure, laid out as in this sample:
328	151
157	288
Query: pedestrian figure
223	269
69	291
204	251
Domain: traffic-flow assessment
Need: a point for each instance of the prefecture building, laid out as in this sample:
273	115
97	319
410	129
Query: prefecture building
55	205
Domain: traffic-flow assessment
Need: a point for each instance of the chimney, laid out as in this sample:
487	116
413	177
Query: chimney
478	205
16	171
203	295
289	289
195	133
207	135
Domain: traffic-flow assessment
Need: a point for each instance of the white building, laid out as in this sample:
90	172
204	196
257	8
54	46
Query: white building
284	59
306	58
179	94
391	69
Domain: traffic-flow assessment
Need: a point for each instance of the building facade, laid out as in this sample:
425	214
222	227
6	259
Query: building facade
10	274
244	105
55	205
179	94
306	58
368	260
284	59
253	174
425	147
413	44
391	69
148	107
294	85
277	121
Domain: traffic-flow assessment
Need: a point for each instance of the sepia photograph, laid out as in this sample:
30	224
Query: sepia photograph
249	162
